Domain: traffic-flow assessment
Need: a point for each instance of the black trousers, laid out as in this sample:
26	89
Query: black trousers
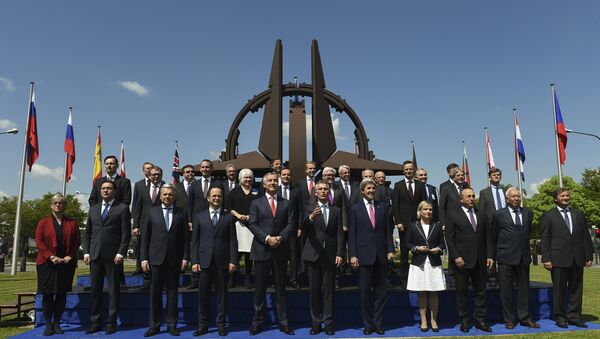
295	255
2	264
506	275
403	256
99	269
321	279
372	288
164	276
218	275
571	279
477	275
261	271
53	306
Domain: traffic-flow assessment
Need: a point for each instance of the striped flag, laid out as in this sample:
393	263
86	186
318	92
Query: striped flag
97	158
561	132
465	166
519	149
69	149
122	173
490	157
32	150
176	164
414	157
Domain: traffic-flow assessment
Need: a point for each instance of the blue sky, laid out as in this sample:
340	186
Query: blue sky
436	72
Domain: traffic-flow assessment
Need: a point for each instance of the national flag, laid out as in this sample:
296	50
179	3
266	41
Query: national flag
561	132
490	157
414	157
98	158
176	165
32	149
519	150
69	149
122	173
465	166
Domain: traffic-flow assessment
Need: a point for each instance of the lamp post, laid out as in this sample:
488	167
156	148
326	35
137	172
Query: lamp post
10	131
582	133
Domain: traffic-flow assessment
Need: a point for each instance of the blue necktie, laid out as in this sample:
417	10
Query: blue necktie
567	220
472	219
498	198
214	218
104	215
324	210
518	218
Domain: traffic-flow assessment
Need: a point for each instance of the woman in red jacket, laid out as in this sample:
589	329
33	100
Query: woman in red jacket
57	238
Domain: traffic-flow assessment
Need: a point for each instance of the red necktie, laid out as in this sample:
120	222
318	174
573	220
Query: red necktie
273	209
372	214
310	185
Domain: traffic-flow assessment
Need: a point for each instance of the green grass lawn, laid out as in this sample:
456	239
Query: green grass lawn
26	281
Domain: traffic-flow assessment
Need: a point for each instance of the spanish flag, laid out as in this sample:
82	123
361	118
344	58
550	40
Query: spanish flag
98	158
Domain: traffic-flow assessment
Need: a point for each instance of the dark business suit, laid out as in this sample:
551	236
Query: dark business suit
196	196
487	204
181	197
262	224
122	190
568	253
142	203
405	212
226	189
139	188
324	241
433	198
295	242
449	199
474	247
103	241
214	247
164	249
349	200
415	237
512	255
371	245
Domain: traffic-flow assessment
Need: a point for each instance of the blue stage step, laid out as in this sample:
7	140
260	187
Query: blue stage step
401	306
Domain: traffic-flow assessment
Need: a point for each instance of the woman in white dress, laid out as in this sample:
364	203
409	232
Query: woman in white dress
425	240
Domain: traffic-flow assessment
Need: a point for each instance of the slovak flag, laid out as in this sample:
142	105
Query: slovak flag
123	172
561	132
69	149
32	150
519	149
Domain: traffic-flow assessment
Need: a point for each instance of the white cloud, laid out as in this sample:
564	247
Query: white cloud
4	195
534	187
134	87
43	172
7	124
8	84
334	121
216	155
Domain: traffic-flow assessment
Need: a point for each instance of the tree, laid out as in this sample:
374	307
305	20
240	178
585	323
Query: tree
590	181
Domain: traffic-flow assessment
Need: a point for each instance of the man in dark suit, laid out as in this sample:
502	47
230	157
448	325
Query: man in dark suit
407	195
471	248
351	196
145	201
287	191
232	180
214	258
383	192
430	192
510	230
566	249
370	247
122	184
183	187
140	187
276	166
450	192
197	202
491	199
107	235
271	222
449	169
163	250
307	183
322	252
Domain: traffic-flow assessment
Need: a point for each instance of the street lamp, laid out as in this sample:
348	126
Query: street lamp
582	133
10	131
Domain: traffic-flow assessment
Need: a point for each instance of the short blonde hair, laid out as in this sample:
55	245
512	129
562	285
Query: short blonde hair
421	206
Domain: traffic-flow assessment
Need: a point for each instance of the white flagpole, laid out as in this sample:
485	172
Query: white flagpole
487	157
15	252
560	176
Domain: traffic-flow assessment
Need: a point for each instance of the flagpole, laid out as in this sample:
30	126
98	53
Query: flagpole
15	252
64	186
518	158
560	176
487	156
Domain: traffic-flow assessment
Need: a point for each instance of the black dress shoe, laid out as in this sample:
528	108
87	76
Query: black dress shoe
509	325
379	330
329	330
337	285
248	283
286	329
110	329
578	323
122	286
481	325
222	331
48	331
464	328
56	328
295	284
173	330
145	287
315	329
93	329
562	324
254	330
200	331
368	330
138	271
152	331
530	324
435	329
193	285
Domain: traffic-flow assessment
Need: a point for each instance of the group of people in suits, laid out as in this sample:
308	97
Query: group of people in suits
317	226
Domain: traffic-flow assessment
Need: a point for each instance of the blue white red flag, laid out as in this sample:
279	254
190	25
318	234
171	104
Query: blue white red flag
519	150
32	149
69	149
561	132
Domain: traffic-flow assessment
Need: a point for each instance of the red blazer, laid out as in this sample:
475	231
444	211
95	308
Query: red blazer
45	238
